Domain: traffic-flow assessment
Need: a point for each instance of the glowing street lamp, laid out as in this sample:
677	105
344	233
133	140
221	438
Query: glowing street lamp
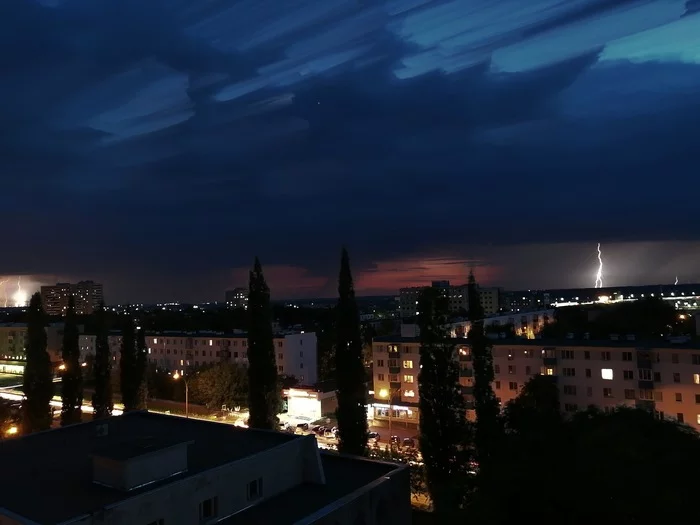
12	431
62	367
177	376
386	394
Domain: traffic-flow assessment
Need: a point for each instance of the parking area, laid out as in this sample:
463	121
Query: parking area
8	380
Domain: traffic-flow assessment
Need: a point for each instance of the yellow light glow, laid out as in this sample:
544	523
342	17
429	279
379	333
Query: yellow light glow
383	393
62	367
176	376
12	430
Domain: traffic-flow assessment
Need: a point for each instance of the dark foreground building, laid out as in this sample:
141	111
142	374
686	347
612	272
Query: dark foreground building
150	469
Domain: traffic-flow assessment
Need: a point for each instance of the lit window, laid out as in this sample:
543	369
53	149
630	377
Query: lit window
408	379
606	373
408	364
210	342
409	393
696	379
155	341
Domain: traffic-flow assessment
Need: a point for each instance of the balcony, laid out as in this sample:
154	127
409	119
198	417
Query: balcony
394	369
645	385
395	385
466	372
393	354
465	358
549	361
467	390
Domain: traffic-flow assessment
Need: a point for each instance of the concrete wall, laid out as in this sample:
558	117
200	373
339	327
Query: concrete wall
177	503
385	502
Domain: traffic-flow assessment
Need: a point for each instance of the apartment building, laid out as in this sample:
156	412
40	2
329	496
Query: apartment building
88	295
237	298
149	469
457	296
663	377
13	341
295	352
525	324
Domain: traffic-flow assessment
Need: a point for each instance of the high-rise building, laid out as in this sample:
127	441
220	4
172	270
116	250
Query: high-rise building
237	298
88	295
457	296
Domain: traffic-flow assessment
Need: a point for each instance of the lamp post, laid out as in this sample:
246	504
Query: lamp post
388	394
177	376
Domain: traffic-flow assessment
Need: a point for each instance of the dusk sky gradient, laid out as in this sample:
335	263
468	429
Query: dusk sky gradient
158	146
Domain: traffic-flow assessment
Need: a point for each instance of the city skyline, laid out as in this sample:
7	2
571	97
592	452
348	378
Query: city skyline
512	139
571	270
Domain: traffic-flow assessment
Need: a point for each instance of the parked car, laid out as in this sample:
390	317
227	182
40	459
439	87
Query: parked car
409	443
303	426
373	436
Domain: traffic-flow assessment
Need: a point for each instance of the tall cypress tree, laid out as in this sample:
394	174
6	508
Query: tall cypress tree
38	377
443	426
102	403
128	366
488	426
72	375
263	394
141	368
350	370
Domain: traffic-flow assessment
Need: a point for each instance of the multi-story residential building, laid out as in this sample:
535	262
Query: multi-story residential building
13	340
145	468
88	295
237	298
663	377
524	324
295	352
457	296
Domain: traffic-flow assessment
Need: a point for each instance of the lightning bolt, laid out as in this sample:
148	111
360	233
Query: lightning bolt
2	283
676	280
599	275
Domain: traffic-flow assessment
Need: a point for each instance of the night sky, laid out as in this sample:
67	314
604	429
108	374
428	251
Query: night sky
158	146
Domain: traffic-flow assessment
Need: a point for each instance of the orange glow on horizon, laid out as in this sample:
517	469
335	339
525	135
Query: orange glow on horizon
390	276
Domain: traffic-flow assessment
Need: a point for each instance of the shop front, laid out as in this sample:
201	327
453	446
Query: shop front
309	405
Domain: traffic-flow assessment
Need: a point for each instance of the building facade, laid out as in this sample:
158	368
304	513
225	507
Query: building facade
13	341
295	352
144	468
88	295
457	296
527	324
663	377
237	298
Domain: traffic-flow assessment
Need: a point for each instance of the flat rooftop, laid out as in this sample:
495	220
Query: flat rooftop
57	466
603	343
344	476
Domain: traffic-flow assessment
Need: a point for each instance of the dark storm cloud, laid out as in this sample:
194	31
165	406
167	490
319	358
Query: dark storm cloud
187	136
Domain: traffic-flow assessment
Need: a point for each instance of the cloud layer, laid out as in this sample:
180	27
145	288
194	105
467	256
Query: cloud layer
177	139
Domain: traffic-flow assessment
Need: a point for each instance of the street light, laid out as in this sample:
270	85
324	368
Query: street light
177	376
384	393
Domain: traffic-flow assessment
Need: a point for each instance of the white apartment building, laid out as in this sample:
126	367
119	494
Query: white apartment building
295	352
151	469
663	377
457	295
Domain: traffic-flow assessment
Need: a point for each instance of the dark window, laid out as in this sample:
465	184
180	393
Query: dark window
586	354
676	377
679	397
588	372
630	393
627	356
674	360
679	417
627	374
255	489
696	359
207	508
657	377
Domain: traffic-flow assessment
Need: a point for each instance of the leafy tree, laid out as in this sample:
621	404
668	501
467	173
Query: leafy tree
443	427
72	374
38	378
488	428
410	456
220	384
102	403
349	366
590	467
536	410
130	381
263	395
